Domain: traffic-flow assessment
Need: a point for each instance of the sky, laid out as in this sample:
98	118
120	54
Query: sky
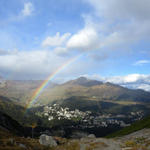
111	39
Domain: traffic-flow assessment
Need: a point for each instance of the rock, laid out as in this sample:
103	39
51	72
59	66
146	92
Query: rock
22	145
47	140
91	136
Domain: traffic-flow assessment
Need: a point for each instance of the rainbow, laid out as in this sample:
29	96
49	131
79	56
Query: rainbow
41	88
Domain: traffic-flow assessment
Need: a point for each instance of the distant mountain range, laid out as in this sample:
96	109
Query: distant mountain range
110	101
22	91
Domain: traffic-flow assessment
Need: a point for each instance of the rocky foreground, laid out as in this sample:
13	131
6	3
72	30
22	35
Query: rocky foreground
139	140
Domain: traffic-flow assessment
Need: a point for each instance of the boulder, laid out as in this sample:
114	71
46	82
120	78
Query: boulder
91	136
47	140
22	145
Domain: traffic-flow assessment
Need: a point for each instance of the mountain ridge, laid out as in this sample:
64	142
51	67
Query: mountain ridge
22	91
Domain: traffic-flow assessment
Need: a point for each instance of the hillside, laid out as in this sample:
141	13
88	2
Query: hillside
93	89
16	111
9	124
94	105
83	82
130	139
11	108
145	123
22	91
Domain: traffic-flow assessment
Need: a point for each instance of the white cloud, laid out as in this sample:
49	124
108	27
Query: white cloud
26	64
121	23
86	39
39	64
134	81
145	87
114	25
61	51
56	40
141	62
131	78
28	9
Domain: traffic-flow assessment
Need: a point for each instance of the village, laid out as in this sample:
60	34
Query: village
89	119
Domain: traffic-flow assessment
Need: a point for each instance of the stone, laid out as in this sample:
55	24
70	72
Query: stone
47	140
22	145
91	136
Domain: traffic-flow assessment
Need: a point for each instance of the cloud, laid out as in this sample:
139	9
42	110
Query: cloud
29	64
56	40
141	62
39	64
86	39
116	9
145	87
7	52
28	9
134	81
121	23
114	25
131	78
61	51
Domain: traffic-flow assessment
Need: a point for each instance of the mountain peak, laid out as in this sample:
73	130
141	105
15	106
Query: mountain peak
83	81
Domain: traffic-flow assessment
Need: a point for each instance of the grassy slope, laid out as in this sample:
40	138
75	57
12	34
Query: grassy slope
22	91
86	103
17	112
145	123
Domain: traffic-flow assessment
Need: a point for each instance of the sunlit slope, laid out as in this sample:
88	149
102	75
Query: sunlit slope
102	91
22	91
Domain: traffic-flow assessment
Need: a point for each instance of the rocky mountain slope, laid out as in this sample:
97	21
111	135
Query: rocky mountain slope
22	91
16	111
129	142
94	90
9	124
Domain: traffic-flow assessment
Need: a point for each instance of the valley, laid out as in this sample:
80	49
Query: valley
84	105
74	75
81	108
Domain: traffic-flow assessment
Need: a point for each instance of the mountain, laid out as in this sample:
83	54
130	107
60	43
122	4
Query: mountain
113	107
84	82
11	108
22	91
17	112
9	124
93	90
